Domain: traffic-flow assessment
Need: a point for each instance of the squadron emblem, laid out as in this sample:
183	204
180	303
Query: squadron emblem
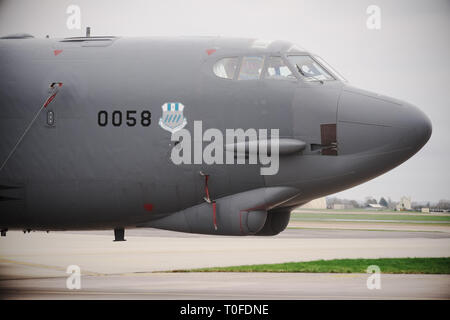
172	118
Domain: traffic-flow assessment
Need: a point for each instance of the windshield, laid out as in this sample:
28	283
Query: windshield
310	69
330	68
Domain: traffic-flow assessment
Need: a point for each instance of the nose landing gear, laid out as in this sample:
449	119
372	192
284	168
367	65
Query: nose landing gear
119	234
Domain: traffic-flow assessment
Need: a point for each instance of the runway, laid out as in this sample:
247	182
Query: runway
33	266
232	286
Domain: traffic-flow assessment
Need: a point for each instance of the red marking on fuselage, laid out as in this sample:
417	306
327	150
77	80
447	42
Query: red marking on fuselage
148	206
206	187
210	51
214	215
56	52
49	100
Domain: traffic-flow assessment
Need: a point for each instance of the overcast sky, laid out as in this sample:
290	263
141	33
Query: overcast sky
408	58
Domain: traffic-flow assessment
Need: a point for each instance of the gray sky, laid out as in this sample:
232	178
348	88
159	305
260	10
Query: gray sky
408	58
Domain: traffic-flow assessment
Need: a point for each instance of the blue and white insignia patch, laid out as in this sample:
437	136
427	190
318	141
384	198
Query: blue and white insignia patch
172	118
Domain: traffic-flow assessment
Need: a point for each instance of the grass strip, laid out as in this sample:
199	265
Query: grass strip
386	265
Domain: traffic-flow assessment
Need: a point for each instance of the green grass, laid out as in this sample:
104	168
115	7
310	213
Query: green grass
387	265
380	230
361	216
350	210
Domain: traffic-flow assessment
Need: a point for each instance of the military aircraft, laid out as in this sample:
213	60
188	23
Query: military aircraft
87	127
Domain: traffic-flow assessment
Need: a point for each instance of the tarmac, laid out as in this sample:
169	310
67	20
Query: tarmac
232	286
33	266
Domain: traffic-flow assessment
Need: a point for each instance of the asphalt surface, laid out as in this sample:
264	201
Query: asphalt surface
232	286
33	266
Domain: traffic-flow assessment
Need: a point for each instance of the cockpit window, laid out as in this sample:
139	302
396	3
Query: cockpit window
226	67
309	68
251	68
278	70
330	69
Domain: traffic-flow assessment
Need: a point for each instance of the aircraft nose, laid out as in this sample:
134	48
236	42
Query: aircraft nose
419	127
372	123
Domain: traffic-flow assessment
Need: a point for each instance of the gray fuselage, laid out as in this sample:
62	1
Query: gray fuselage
77	174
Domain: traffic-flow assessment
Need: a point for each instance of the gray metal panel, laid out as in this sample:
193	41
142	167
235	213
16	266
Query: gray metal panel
77	174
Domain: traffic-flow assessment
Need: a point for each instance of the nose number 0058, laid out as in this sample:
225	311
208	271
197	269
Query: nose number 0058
130	118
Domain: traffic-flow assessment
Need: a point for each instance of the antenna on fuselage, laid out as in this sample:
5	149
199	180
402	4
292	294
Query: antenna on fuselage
88	32
53	90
